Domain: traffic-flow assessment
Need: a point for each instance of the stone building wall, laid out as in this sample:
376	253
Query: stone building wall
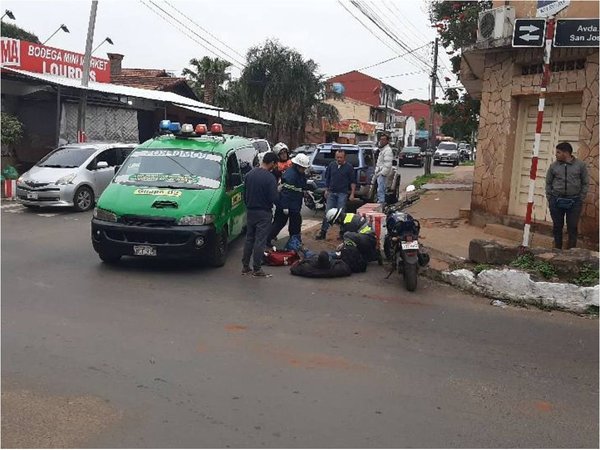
351	109
502	87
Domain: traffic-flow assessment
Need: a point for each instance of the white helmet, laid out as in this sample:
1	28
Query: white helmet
333	214
301	160
280	146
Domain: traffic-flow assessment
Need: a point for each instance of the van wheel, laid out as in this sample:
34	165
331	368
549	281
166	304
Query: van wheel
83	199
218	252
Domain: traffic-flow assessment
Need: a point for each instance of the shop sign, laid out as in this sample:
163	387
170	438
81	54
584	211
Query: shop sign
38	58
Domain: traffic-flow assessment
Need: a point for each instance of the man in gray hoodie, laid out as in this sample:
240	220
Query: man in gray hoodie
567	185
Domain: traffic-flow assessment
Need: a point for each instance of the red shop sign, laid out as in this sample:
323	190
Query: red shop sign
38	58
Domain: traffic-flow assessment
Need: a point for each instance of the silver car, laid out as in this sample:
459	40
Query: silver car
73	175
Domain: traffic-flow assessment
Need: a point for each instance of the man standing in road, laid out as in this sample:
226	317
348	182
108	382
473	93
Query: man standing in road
567	185
339	179
383	168
260	195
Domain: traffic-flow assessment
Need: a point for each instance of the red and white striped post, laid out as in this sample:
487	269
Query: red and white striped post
538	130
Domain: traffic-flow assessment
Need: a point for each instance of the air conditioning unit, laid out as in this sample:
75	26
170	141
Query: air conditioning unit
496	23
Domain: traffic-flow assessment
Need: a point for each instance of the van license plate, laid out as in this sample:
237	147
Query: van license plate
32	196
413	245
144	250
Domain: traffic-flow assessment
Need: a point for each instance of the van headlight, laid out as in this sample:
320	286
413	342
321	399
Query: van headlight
204	219
67	179
103	214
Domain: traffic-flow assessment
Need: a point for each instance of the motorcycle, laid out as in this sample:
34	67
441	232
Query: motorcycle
401	245
314	197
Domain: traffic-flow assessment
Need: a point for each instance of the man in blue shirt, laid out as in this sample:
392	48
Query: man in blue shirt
339	179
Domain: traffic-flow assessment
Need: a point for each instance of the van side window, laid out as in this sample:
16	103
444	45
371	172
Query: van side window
246	156
261	146
233	171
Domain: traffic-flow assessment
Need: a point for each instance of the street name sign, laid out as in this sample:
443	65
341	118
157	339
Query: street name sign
577	33
547	8
529	33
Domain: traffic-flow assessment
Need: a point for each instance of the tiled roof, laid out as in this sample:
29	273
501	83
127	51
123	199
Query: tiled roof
157	79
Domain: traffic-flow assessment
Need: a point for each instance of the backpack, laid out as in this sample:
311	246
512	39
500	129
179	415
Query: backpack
280	257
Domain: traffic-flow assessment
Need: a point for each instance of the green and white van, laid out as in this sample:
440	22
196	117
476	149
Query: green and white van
178	195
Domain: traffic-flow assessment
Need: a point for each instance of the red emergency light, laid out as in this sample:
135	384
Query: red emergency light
201	129
216	128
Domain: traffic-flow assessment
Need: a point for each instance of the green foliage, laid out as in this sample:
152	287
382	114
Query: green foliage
456	21
460	115
421	124
480	268
424	179
592	310
588	276
280	87
399	103
207	77
13	31
12	129
528	263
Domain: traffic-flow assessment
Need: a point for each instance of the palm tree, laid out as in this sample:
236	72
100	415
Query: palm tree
207	77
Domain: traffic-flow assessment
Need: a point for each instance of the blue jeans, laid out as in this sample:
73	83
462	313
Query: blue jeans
381	185
334	200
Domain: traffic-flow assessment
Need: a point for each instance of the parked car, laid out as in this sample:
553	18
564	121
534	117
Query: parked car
73	175
361	158
446	152
411	155
306	149
176	196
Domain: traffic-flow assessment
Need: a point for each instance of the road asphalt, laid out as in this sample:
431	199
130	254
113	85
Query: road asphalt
165	354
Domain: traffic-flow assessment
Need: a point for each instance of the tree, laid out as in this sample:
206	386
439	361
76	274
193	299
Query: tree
280	87
421	124
456	22
460	115
12	132
399	103
207	77
13	31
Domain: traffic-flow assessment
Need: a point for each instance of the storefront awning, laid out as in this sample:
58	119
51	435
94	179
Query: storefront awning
115	89
225	115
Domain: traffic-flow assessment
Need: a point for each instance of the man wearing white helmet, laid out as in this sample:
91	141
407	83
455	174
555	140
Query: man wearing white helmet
289	205
283	153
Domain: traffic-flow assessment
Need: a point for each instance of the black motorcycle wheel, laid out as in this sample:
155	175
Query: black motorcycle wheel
410	277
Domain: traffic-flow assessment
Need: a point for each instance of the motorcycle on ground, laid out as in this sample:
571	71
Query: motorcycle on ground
401	245
314	197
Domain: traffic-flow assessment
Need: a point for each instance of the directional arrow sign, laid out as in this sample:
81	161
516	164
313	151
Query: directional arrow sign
529	33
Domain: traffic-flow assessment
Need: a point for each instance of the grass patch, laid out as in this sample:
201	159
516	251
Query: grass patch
528	263
480	268
592	310
424	179
588	276
468	163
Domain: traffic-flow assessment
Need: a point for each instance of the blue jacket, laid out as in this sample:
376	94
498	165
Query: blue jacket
293	182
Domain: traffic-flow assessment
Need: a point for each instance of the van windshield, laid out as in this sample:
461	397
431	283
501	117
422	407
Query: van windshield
182	169
67	157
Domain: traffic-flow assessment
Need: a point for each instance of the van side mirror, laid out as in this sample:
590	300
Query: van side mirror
101	165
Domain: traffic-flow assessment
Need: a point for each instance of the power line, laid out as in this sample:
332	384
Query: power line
369	14
204	29
228	57
408	36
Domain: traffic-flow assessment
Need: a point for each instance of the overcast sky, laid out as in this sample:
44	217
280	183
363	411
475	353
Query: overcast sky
319	29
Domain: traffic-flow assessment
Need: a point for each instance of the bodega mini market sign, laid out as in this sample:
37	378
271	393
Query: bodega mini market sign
23	55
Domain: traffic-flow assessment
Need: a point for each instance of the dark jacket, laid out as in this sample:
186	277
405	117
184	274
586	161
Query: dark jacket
339	178
261	190
354	223
309	268
293	182
567	179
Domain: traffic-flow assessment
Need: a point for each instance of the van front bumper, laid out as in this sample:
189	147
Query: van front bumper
173	241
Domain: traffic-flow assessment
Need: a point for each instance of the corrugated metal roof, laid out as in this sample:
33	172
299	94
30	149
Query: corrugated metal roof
115	89
225	115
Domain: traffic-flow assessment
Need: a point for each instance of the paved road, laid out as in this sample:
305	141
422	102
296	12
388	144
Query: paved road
150	354
409	173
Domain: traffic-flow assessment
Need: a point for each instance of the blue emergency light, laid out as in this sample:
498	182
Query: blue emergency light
166	126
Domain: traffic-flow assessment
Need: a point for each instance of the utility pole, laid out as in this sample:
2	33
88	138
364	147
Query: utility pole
86	73
431	138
